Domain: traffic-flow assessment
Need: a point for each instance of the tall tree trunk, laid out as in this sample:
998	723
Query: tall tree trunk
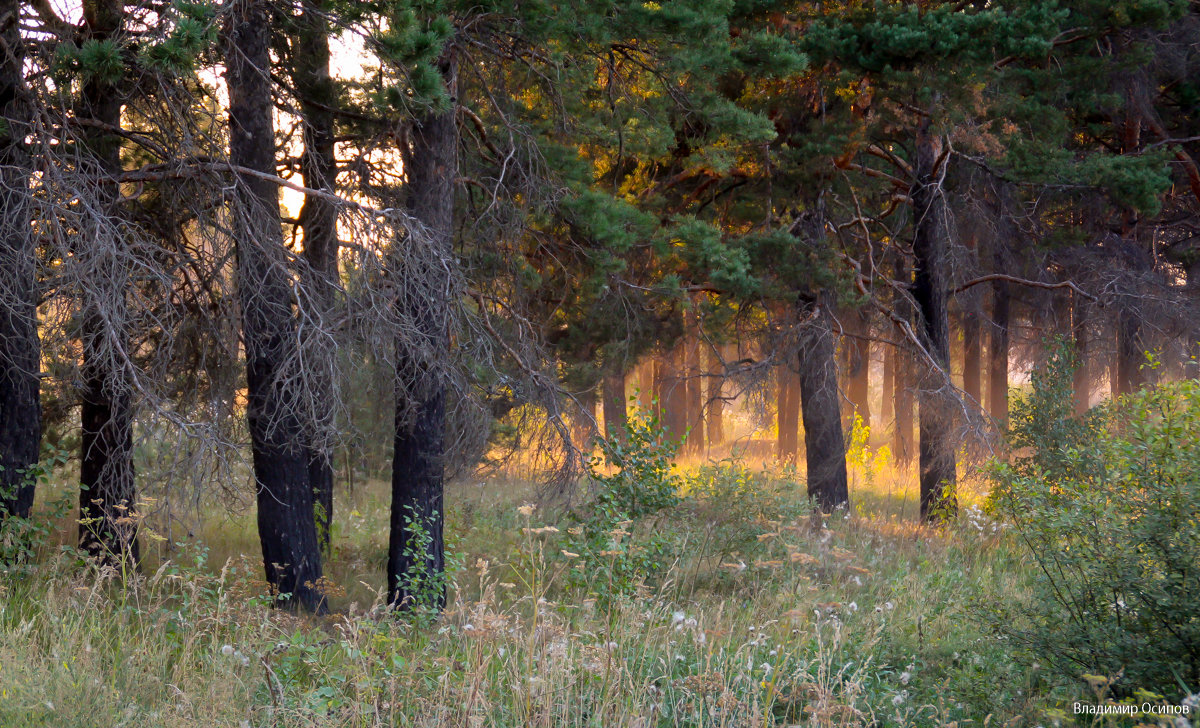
613	397
416	550
887	403
930	243
787	416
108	528
972	356
715	400
998	348
1082	380
856	351
695	392
318	218
824	442
286	527
1130	354
902	437
20	348
674	399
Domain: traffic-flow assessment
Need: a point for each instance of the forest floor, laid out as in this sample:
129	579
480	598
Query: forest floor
757	618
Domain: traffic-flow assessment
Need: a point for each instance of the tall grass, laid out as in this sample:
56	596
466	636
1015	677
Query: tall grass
765	617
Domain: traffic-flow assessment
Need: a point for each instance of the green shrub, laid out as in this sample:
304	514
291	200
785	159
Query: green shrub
616	537
1107	505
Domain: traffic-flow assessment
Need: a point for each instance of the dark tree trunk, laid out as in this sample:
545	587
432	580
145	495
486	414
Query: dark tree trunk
930	243
286	526
107	498
613	398
416	548
998	350
972	356
318	218
1130	351
1082	381
824	442
20	349
787	416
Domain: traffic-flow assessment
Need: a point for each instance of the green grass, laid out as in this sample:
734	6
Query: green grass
762	619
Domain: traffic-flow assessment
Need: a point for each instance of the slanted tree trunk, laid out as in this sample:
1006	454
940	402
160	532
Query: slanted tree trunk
930	243
416	548
1082	381
286	527
824	442
787	416
318	218
107	526
20	348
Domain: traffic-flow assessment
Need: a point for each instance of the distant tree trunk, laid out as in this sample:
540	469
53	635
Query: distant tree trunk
715	401
887	404
1192	346
930	243
613	398
416	551
583	419
787	415
675	401
1082	381
824	443
903	397
286	527
107	495
658	379
20	348
695	391
856	350
971	357
1130	351
998	349
318	218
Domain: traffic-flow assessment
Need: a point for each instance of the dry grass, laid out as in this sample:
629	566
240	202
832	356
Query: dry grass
762	619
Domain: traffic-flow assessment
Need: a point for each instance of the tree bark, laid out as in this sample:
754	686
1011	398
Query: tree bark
887	403
972	356
1082	379
930	243
675	401
286	526
416	548
107	497
20	348
695	392
616	417
824	442
787	416
856	349
715	401
998	348
318	219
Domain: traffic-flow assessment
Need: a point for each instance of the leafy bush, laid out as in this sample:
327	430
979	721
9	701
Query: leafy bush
1106	504
631	498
